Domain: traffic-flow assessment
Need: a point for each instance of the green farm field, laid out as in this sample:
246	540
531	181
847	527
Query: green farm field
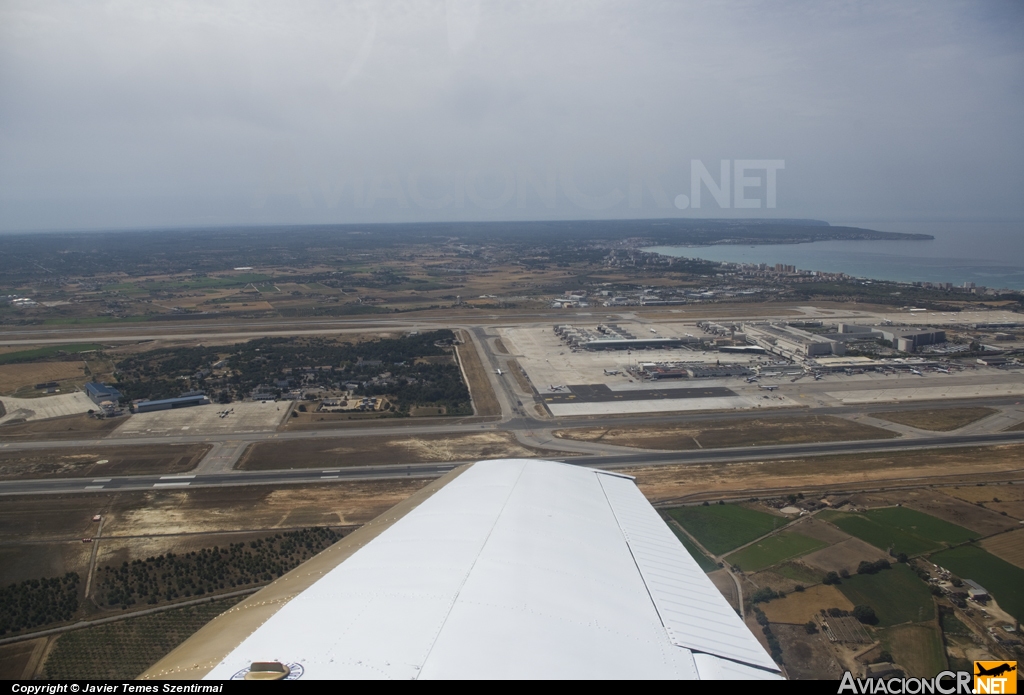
706	563
1003	580
906	530
897	595
723	527
773	550
918	648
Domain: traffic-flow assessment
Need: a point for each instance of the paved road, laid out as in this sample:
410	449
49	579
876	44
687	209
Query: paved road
516	418
430	470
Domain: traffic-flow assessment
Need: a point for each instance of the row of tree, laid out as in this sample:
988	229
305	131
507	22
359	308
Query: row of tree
210	570
36	602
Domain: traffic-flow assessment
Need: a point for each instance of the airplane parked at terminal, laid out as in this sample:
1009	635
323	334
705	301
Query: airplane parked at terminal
916	371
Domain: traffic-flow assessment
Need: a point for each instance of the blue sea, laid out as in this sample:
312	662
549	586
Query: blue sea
990	254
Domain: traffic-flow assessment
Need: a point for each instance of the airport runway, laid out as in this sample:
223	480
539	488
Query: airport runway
220	327
173	482
469	425
431	470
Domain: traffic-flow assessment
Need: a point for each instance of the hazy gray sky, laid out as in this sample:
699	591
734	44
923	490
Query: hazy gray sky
133	114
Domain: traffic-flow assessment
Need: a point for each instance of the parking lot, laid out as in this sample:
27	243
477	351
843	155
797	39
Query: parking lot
29	409
206	419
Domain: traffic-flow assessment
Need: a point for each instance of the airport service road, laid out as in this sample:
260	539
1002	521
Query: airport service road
432	470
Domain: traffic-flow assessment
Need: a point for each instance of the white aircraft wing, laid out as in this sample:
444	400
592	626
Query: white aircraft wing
503	569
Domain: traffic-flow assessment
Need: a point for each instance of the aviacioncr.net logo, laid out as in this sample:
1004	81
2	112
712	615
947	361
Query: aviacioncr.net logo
995	677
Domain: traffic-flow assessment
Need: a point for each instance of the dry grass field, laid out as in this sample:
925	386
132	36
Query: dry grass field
807	657
317	421
800	606
19	660
20	561
730	433
846	555
70	427
114	550
956	511
820	530
787	576
517	373
40	536
1008	546
485	403
390	449
825	474
937	420
122	460
999	498
14	377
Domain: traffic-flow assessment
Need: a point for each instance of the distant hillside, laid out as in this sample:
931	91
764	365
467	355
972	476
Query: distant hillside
62	254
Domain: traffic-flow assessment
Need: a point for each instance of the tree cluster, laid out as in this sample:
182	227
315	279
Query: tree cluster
865	614
875	567
210	570
763	595
399	368
36	602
